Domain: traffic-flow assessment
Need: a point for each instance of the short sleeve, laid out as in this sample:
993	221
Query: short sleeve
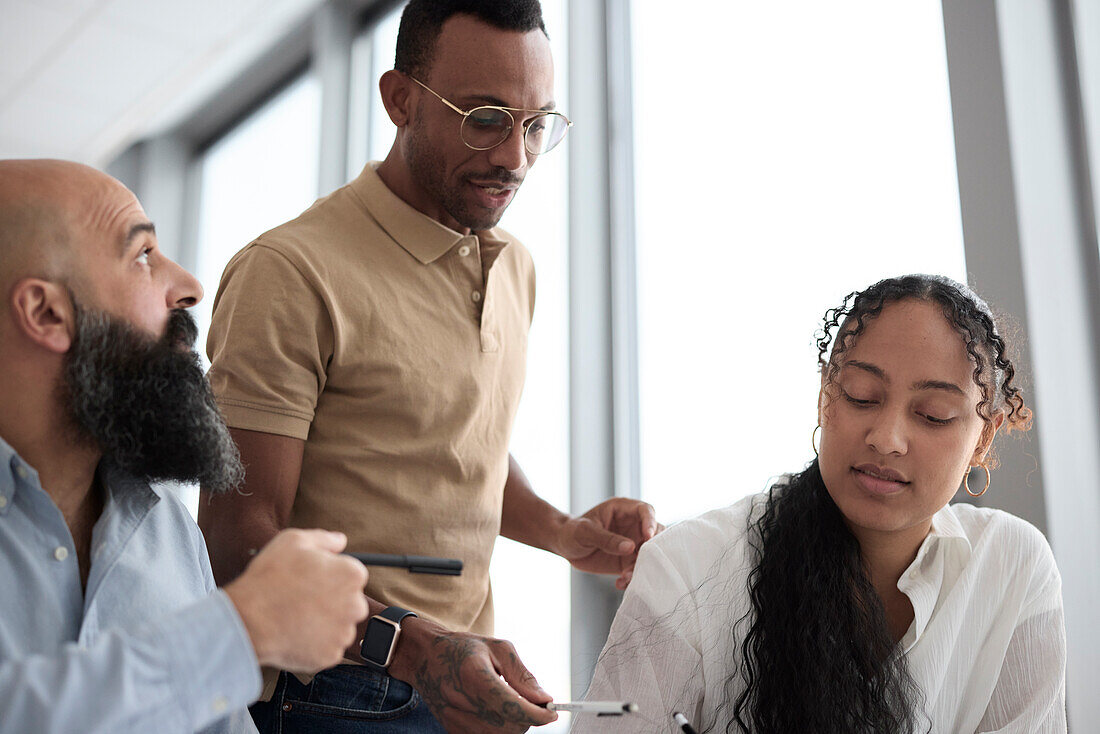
271	338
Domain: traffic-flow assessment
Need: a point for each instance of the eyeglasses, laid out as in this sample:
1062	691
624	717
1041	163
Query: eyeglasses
488	126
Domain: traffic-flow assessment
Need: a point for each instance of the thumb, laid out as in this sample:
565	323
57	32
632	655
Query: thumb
591	535
516	674
326	540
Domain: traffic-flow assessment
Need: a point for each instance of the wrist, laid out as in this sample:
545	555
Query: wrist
254	621
412	647
558	528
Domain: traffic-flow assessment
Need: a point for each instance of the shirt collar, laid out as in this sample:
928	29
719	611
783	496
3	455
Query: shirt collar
9	461
946	527
132	493
421	236
945	551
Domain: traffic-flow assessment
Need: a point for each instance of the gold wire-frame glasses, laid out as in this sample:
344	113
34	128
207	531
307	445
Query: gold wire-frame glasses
488	126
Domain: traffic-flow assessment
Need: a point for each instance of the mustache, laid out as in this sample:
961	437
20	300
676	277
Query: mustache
181	332
498	174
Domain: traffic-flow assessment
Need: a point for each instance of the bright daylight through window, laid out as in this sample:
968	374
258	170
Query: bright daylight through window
787	153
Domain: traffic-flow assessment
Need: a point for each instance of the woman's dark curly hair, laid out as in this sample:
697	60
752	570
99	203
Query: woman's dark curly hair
818	656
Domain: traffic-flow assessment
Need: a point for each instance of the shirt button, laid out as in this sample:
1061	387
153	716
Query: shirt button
61	553
21	471
476	295
464	250
3	501
220	705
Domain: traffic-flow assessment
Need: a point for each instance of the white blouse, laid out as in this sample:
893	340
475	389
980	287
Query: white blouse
987	645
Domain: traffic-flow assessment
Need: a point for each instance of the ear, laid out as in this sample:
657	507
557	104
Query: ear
43	312
394	87
985	442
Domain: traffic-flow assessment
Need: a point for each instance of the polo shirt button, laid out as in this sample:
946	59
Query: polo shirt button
464	250
476	295
61	553
21	471
220	704
3	501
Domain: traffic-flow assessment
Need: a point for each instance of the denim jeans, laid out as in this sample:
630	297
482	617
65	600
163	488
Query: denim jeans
347	699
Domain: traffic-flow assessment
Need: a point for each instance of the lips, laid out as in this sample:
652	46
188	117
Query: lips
492	194
879	479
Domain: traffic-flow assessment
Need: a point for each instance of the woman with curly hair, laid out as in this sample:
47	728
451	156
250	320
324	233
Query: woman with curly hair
852	597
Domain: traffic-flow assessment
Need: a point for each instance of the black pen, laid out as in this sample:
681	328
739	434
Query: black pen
683	723
415	564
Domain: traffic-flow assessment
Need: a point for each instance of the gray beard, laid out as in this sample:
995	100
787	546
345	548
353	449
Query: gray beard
145	402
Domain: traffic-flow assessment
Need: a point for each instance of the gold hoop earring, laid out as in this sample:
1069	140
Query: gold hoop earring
813	438
966	482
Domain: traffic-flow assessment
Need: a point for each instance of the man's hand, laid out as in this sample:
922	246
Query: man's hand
472	684
606	539
301	601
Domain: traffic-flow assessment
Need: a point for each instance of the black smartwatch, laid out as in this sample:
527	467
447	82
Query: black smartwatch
383	631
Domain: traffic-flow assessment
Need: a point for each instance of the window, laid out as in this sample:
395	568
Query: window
531	587
247	190
787	153
262	173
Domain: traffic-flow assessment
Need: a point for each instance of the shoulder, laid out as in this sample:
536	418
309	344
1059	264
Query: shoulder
333	226
1007	533
1010	547
698	547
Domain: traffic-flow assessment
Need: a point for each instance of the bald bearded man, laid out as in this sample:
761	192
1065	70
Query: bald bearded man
109	620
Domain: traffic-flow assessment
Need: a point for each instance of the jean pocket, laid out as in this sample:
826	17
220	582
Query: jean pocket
352	692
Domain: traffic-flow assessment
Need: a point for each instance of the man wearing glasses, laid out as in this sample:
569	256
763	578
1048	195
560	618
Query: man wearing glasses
369	358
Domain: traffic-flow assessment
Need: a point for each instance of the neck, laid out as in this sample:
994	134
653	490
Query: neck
886	555
395	173
36	426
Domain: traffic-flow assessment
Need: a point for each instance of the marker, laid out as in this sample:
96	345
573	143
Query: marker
415	564
600	708
683	723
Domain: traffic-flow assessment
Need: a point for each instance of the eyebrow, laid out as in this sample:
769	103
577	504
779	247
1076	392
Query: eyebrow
135	231
919	385
485	99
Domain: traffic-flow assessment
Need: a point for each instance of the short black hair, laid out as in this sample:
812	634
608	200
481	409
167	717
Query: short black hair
422	21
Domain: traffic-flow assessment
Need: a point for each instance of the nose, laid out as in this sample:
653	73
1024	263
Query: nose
886	434
184	289
512	153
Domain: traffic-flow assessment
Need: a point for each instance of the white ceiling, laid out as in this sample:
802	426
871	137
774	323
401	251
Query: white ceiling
82	79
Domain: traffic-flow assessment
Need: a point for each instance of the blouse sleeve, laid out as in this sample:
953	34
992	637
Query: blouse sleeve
652	656
1030	695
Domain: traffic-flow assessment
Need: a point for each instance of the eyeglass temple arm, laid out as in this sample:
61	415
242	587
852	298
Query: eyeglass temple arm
456	109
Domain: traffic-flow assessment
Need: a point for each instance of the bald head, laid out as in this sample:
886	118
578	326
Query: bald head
48	210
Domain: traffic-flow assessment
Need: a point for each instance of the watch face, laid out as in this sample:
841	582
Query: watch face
378	641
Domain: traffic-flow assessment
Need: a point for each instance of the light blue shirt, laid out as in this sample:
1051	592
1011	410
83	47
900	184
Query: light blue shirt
152	646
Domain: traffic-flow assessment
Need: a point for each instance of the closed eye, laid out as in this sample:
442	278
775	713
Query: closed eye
855	400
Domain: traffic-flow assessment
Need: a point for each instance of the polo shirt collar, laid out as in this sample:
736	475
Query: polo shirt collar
421	236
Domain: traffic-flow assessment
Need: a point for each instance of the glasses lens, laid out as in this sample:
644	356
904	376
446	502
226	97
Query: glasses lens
544	132
486	127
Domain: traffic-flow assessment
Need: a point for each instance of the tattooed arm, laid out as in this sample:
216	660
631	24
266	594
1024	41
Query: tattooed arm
471	683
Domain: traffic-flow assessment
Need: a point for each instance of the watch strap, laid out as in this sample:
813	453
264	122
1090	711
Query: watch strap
383	631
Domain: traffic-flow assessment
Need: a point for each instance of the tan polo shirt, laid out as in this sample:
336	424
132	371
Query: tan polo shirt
395	347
